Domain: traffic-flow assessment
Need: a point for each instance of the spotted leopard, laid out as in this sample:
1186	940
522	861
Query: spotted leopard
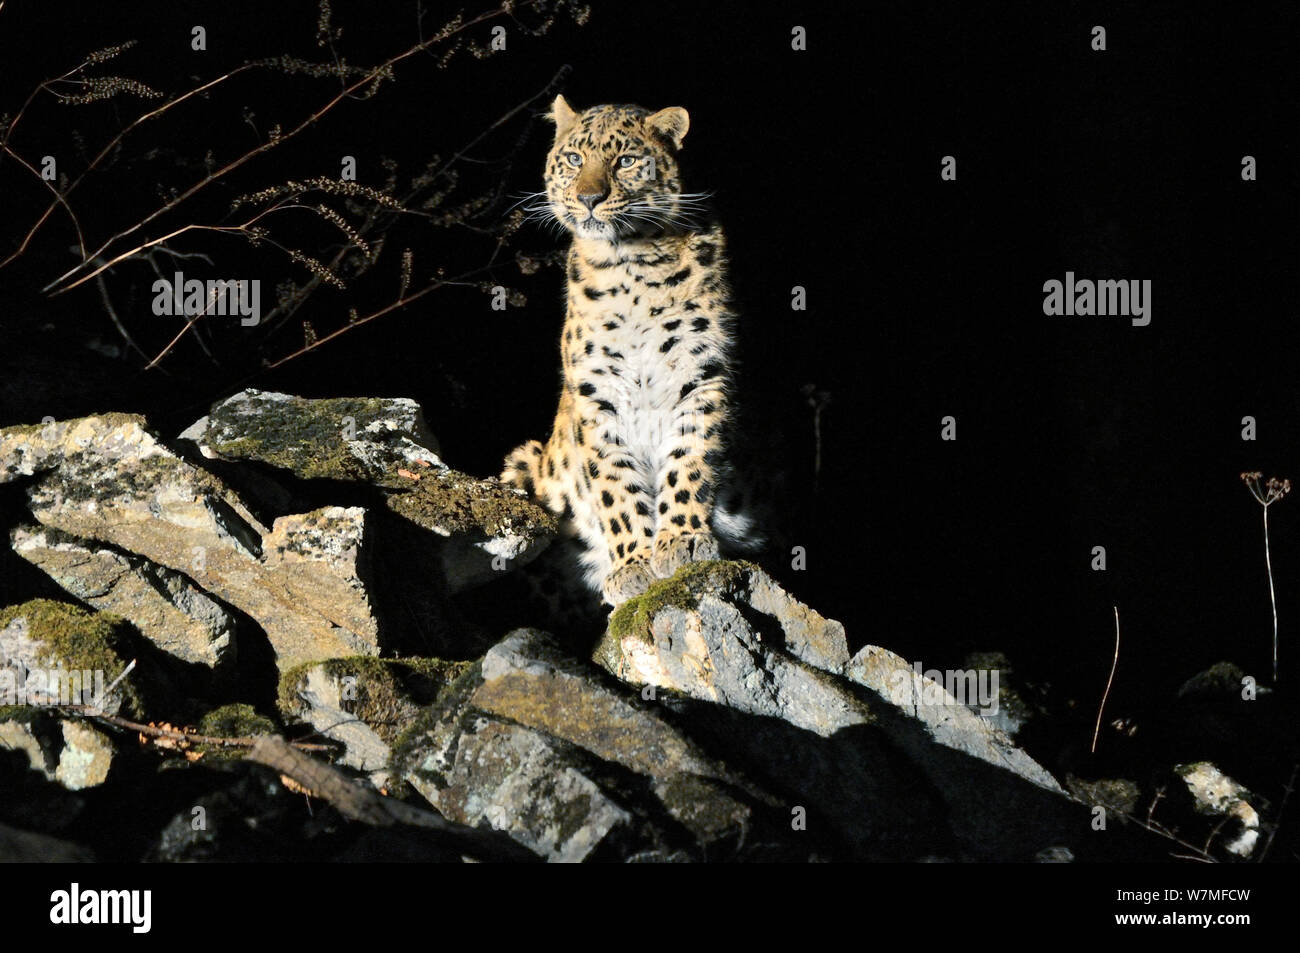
638	461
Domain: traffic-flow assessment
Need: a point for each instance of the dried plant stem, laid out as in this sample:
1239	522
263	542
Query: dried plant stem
1106	694
153	731
1272	595
58	286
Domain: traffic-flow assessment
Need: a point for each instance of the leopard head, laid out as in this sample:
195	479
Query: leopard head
612	173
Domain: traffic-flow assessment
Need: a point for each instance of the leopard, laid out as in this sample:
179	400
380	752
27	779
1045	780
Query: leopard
638	464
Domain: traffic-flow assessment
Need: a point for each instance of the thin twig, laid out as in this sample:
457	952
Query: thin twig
88	712
1113	665
1286	796
370	77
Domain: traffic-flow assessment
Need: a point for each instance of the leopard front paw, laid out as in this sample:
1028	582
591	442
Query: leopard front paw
672	552
626	582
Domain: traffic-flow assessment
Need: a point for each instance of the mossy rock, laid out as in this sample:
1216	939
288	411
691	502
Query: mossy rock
302	435
77	639
632	619
449	501
236	720
450	704
389	692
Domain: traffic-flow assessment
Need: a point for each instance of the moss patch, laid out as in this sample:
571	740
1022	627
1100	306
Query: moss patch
301	435
450	703
632	619
78	639
454	502
388	691
235	721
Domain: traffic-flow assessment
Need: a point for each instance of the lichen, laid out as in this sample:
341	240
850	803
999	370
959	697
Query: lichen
301	435
78	639
450	702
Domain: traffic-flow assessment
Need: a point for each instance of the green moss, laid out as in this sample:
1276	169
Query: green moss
301	435
407	746
632	619
79	639
23	713
450	501
388	691
231	721
235	721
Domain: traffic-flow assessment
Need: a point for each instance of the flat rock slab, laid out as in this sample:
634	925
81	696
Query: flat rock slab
163	605
108	479
574	766
484	527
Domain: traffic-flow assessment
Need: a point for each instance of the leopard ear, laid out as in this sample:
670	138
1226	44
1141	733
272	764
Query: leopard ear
671	122
563	116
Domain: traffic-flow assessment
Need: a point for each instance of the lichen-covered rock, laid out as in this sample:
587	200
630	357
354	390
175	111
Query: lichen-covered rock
724	634
364	702
485	771
27	450
622	779
689	634
65	750
364	439
485	527
1218	795
528	679
53	652
108	479
163	605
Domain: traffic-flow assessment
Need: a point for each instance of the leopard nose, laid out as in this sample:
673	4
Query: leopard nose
592	199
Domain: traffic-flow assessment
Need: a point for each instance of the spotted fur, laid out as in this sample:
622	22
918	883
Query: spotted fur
637	460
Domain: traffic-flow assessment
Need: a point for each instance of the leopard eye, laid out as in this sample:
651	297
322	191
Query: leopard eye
627	162
573	159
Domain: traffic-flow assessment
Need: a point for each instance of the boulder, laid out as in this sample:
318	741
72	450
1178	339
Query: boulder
162	604
485	527
574	766
108	479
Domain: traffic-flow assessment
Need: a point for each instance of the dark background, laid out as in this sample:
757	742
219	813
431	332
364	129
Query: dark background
924	297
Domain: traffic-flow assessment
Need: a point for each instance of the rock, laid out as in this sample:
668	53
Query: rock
487	527
1218	795
688	634
364	439
727	636
64	750
364	703
947	720
52	652
26	847
548	749
1222	681
107	479
528	679
164	606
